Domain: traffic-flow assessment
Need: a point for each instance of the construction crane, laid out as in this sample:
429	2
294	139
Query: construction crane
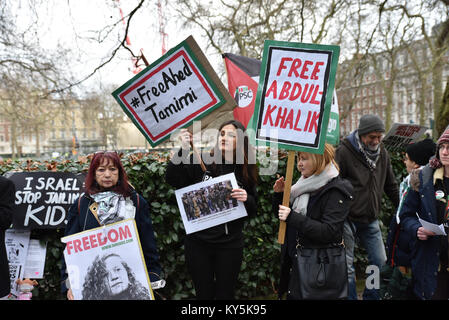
162	33
136	68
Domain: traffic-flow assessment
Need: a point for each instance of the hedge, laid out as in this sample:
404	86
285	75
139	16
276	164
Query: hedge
261	263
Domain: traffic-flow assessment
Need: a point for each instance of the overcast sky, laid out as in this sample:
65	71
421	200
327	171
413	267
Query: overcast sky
70	24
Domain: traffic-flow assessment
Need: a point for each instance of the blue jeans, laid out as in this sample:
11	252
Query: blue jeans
370	238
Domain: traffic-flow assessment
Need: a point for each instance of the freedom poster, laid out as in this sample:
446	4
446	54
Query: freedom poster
171	93
209	203
294	95
43	198
107	263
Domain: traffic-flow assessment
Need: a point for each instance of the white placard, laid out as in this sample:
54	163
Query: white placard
107	263
35	260
208	203
16	242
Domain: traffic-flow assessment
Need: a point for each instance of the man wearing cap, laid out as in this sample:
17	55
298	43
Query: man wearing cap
429	199
366	164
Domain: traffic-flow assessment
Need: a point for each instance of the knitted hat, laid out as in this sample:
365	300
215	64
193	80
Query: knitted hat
369	123
444	138
420	152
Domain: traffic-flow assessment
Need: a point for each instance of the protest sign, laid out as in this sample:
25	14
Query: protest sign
243	78
35	260
293	101
43	198
402	134
207	204
171	93
16	243
107	263
294	95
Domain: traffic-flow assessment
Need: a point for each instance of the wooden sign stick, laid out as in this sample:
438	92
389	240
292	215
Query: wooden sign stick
198	155
287	189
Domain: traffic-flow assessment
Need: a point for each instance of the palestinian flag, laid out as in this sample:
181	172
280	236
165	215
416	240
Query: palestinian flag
243	79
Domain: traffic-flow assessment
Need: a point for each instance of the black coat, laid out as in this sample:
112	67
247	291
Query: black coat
369	185
327	210
187	173
7	192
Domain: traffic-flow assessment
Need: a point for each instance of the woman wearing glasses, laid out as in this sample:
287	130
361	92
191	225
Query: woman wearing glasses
109	198
214	255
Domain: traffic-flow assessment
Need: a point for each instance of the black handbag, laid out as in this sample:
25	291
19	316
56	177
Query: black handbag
322	272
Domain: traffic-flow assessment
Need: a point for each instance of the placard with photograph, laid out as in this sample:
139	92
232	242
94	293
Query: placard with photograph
209	203
16	243
107	263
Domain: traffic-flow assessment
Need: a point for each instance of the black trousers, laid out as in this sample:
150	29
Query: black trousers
442	291
214	271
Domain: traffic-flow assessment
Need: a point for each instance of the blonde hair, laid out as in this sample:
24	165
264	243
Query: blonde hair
321	161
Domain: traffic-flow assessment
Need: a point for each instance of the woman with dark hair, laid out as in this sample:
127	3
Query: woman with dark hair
109	198
214	255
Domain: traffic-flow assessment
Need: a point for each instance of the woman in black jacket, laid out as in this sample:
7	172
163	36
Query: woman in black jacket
107	183
214	255
319	205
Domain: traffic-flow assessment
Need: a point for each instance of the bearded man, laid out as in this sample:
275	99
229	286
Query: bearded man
364	161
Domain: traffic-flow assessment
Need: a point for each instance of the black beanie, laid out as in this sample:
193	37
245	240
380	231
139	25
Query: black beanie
420	152
369	123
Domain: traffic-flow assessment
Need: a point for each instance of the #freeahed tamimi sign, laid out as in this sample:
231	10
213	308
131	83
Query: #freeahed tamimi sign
169	94
294	95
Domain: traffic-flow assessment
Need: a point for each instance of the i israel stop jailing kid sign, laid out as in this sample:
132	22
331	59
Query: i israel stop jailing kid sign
43	198
294	99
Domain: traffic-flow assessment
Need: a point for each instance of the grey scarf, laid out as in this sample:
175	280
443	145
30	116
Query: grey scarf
300	191
371	156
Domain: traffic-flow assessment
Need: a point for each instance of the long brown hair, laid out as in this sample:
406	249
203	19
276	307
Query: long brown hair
92	187
249	167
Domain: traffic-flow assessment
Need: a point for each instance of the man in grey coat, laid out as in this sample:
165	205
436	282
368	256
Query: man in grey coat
7	191
364	161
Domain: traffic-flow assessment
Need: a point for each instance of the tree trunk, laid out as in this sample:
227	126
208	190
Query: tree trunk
442	121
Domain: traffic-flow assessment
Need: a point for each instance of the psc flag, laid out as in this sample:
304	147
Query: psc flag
243	78
294	95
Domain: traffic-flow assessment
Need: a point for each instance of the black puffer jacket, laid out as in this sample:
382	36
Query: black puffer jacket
327	210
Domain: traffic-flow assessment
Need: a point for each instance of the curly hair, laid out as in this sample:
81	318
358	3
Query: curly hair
95	286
